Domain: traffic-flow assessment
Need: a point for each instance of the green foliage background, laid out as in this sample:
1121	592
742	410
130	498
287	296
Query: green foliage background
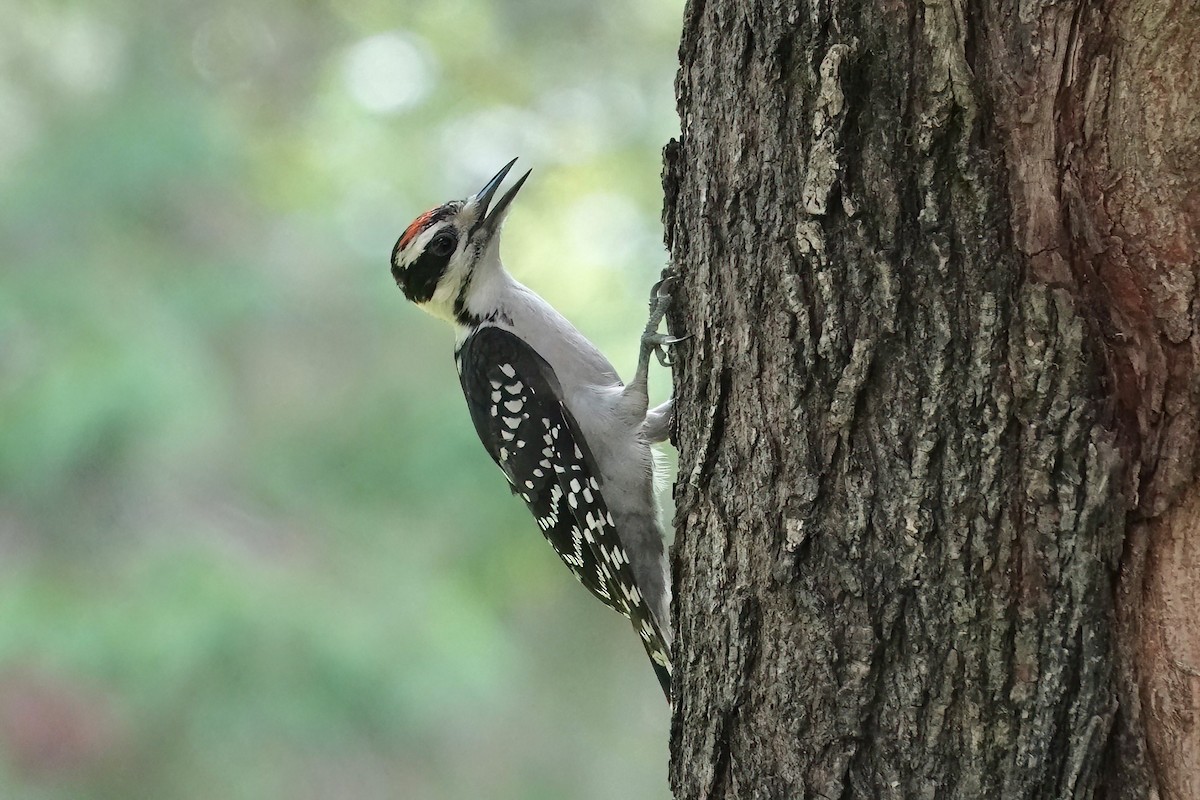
249	547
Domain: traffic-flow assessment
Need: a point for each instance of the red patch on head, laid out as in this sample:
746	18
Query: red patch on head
412	230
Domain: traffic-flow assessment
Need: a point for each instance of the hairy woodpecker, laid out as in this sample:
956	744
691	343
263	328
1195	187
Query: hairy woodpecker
570	437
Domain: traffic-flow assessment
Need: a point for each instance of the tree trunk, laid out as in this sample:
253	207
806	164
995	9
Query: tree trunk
938	517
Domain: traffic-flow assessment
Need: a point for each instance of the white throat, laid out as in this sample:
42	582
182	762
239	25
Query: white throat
489	290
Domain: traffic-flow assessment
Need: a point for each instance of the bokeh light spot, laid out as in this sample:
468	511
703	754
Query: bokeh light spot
389	73
86	55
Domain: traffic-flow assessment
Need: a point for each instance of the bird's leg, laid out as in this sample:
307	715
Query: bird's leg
654	342
657	427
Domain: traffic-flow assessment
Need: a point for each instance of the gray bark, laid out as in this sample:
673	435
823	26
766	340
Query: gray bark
939	413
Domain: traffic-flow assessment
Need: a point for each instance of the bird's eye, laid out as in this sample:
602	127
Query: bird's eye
443	244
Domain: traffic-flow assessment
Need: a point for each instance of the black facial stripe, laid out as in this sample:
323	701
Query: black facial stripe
420	280
396	272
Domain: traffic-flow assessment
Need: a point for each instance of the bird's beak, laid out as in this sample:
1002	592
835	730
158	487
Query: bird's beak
489	223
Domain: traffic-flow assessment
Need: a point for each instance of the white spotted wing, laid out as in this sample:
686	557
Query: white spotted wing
515	402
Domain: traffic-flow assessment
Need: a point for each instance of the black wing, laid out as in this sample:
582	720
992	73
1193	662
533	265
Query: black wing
515	402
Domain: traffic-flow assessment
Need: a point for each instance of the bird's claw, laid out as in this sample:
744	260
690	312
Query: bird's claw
661	291
658	344
653	341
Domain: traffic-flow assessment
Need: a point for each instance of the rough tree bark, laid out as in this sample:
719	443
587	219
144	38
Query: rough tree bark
938	516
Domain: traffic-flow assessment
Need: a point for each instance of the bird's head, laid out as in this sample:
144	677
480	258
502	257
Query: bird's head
440	254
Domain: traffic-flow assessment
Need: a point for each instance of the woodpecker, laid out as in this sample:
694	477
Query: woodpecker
570	437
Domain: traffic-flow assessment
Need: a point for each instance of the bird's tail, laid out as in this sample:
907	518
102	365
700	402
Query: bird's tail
649	605
660	658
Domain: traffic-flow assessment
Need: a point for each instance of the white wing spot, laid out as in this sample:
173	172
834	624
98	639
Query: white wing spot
508	370
555	497
512	405
577	540
515	388
512	422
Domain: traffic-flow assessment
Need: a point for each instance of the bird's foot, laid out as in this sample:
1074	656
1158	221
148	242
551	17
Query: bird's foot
653	341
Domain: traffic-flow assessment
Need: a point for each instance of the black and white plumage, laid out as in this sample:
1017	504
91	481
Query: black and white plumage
515	403
572	440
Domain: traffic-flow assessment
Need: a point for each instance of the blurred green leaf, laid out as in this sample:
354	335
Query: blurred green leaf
250	546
